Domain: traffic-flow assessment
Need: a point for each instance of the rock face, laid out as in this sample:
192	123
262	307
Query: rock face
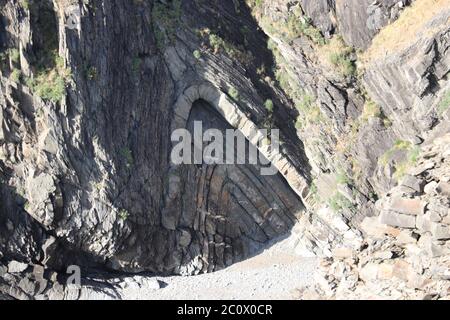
358	21
361	20
95	169
91	93
407	246
404	81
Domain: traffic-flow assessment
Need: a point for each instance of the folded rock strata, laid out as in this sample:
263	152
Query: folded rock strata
85	170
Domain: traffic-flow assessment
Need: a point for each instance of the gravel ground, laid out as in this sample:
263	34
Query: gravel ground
276	273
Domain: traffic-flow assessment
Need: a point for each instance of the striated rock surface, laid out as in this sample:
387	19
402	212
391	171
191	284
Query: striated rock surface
407	247
361	20
91	91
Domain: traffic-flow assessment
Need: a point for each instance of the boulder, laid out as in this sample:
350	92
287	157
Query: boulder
372	227
443	188
402	270
439	206
423	223
440	231
17	267
397	219
342	253
369	272
430	188
406	237
407	206
446	219
385	271
412	183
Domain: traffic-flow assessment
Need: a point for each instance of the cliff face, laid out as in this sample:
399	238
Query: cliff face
99	158
407	252
91	92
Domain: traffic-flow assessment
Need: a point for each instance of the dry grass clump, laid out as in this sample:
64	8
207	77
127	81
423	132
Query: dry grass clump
398	35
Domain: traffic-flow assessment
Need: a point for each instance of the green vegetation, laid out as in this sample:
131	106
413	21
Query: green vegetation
14	57
261	70
401	168
339	56
343	62
50	82
373	196
218	44
197	54
411	152
268	105
91	73
53	90
399	145
371	110
313	189
313	192
342	178
99	186
296	25
14	54
25	4
234	93
15	75
445	103
128	156
166	19
338	202
304	102
309	111
255	5
412	157
136	65
50	76
123	214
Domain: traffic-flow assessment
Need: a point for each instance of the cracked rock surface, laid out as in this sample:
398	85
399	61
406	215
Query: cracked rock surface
91	91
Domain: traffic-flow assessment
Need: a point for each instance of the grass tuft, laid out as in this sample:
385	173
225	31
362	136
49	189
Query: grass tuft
268	105
234	93
444	104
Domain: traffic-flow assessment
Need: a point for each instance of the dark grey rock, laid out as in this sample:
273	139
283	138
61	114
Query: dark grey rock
412	182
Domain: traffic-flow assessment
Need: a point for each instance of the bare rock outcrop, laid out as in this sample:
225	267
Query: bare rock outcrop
88	168
360	20
406	255
91	92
